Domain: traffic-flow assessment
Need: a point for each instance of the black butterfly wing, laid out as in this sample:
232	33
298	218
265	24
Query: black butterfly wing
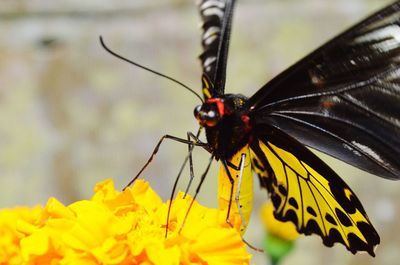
344	98
216	16
307	192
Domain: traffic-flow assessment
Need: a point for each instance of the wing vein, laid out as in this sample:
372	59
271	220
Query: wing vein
319	209
332	211
334	90
383	165
301	193
287	182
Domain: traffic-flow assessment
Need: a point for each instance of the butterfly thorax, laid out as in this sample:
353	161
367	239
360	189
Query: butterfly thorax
226	122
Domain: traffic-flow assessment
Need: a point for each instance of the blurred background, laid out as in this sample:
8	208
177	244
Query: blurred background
72	115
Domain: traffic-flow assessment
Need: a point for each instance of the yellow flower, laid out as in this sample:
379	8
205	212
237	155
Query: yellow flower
283	230
9	237
124	228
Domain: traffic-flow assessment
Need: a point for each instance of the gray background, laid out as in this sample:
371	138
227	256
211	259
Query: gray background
72	115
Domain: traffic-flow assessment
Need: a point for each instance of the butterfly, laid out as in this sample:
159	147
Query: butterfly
342	99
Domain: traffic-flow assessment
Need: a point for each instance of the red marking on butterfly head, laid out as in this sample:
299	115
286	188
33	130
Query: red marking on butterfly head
220	105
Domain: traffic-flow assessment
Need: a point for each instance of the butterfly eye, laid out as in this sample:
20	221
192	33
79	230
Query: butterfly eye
196	112
211	118
207	118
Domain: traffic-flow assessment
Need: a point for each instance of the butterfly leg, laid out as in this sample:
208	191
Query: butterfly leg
188	157
237	195
240	187
225	164
203	177
235	188
196	139
167	136
243	197
191	145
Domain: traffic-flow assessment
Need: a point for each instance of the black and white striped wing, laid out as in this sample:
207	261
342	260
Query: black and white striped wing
216	17
344	98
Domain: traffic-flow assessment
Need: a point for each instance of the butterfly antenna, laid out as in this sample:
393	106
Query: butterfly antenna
148	69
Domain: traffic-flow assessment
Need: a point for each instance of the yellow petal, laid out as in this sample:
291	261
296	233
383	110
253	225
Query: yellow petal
56	209
144	195
221	246
104	191
35	244
111	252
159	255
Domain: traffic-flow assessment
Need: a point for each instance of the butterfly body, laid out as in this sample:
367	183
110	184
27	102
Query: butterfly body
227	124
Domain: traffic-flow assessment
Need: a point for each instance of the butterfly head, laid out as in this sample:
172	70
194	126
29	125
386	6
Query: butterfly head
210	113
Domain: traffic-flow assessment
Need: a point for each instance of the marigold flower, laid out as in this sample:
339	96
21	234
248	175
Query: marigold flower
120	228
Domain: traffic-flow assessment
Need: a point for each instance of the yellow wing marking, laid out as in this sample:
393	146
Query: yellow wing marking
206	87
304	196
245	189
